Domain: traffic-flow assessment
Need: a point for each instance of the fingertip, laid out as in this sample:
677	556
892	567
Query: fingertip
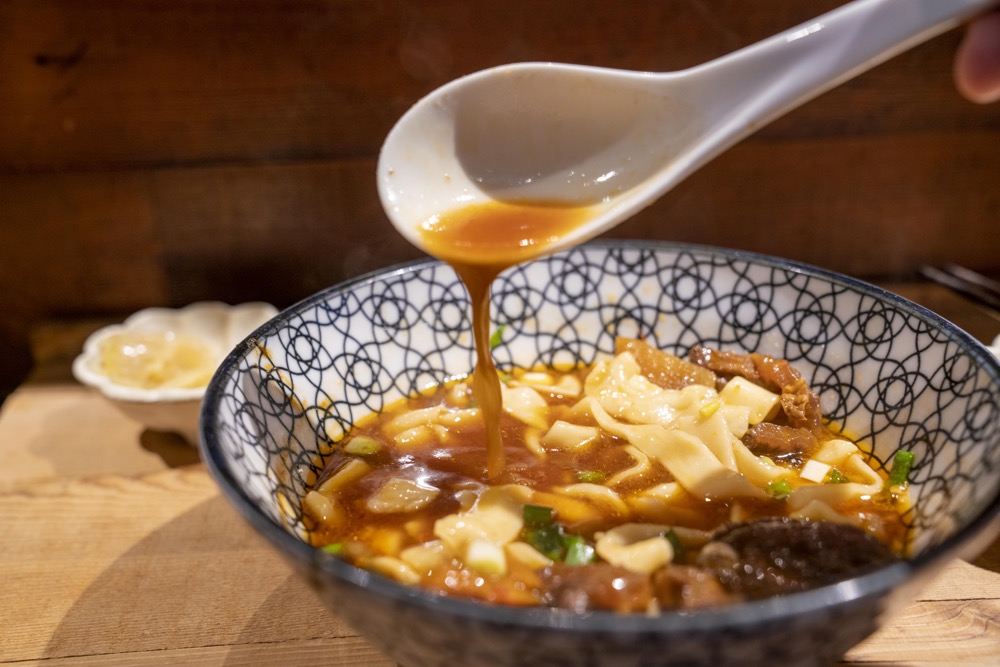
977	62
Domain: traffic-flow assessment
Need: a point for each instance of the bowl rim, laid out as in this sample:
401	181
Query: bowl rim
878	583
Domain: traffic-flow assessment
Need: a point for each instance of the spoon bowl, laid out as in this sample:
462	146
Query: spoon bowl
615	140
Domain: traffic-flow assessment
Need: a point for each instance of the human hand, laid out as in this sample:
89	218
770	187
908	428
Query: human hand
977	62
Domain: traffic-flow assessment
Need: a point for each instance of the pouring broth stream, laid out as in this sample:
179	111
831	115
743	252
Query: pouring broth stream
480	242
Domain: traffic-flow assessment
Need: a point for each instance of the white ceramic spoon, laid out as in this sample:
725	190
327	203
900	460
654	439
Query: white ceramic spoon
619	139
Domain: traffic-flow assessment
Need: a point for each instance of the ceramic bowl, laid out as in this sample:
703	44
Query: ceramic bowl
218	326
887	369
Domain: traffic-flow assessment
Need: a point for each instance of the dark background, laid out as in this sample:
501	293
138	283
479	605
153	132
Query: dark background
159	152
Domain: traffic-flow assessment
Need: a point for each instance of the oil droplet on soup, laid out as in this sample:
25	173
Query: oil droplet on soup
480	242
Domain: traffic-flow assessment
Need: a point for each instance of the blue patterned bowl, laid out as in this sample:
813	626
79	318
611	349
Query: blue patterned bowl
892	372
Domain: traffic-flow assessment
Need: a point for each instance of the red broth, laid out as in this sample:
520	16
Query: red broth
406	495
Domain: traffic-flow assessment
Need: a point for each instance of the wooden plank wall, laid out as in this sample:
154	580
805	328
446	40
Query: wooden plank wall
158	152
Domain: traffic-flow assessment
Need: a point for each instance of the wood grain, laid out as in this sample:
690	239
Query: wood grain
61	430
281	232
176	576
120	550
159	83
158	152
300	79
167	572
936	633
339	652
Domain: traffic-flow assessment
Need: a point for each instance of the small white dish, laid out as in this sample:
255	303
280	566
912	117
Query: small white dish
995	348
204	331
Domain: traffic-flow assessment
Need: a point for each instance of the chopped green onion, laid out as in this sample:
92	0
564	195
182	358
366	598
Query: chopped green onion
362	445
578	552
780	489
590	476
709	409
675	542
497	337
506	378
547	541
538	516
547	537
902	463
837	477
334	549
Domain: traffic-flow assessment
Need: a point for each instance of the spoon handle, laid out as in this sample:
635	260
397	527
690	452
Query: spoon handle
761	82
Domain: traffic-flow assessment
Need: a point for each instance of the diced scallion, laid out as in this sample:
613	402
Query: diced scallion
547	541
836	477
538	516
590	476
333	549
496	338
362	445
899	474
547	537
675	542
578	552
709	409
780	489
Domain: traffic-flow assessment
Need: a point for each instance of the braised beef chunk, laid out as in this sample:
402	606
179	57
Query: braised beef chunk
799	403
582	588
801	406
745	561
662	368
775	374
780	442
783	555
689	587
723	363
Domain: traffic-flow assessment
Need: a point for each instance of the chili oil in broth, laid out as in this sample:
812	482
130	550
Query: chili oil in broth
480	242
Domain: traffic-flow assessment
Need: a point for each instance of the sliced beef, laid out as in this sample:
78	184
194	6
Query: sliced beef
723	363
780	442
801	406
774	374
780	555
662	368
745	561
798	402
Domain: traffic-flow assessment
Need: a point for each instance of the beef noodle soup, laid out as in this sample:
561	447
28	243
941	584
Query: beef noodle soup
643	482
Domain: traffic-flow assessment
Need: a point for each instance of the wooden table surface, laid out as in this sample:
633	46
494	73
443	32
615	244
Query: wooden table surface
118	548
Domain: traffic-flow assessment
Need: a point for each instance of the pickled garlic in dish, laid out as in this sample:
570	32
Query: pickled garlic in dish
643	482
157	359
